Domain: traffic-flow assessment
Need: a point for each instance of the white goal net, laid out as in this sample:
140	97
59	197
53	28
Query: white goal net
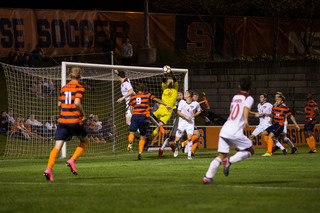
33	96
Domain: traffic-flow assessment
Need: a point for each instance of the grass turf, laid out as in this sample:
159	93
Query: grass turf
120	183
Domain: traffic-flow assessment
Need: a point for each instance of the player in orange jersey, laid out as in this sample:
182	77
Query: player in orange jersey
311	111
205	107
279	113
139	107
70	122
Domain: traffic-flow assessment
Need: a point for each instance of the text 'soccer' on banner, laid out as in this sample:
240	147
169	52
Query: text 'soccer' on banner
209	137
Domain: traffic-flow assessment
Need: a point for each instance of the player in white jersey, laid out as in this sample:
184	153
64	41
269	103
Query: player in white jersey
187	111
264	108
232	134
127	92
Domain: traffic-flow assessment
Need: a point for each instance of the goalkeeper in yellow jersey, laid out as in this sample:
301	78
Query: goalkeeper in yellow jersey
169	96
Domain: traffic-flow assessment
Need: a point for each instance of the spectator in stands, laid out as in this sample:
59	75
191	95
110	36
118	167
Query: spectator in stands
126	52
4	123
205	107
21	129
109	130
35	125
108	46
35	87
51	125
38	53
26	61
10	116
15	58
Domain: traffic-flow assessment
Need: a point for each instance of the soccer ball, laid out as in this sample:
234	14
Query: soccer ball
166	69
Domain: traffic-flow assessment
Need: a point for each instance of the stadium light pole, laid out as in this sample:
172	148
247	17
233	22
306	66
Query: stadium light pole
146	24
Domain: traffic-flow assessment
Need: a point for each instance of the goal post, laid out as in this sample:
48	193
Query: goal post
35	91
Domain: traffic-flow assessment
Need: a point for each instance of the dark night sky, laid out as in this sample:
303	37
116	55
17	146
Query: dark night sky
110	5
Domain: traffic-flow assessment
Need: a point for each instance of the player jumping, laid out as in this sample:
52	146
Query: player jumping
70	122
139	107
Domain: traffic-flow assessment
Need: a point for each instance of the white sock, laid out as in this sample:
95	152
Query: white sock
213	167
190	143
164	144
239	156
288	141
278	144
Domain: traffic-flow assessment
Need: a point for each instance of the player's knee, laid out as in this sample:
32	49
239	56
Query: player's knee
84	144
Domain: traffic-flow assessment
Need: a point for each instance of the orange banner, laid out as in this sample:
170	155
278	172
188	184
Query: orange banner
67	32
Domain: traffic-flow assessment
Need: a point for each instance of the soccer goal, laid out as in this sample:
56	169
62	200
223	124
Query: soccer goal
33	94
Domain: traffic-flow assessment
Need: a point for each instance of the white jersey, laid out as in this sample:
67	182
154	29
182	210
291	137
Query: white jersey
188	110
234	124
125	87
265	108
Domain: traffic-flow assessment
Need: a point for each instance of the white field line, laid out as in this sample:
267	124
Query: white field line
169	185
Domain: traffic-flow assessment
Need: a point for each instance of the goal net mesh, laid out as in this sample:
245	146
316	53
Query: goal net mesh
33	94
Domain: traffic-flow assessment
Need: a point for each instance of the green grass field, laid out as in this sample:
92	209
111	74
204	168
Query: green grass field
121	183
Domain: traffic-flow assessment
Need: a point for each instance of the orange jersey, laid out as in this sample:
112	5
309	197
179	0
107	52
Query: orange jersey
309	110
69	113
140	103
204	105
280	113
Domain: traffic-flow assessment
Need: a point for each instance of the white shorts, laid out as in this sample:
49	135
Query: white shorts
128	113
259	129
182	126
241	142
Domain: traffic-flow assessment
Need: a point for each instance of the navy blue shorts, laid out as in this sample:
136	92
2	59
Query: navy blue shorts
65	132
275	129
309	127
139	122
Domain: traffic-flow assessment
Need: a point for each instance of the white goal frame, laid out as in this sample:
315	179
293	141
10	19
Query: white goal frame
64	65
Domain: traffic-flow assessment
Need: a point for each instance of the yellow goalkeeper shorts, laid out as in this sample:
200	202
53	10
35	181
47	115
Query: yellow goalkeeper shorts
163	114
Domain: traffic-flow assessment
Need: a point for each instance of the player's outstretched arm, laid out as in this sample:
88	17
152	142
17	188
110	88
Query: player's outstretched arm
294	121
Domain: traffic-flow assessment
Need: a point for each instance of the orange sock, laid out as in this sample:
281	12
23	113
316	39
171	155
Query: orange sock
53	156
270	145
80	150
195	140
130	138
141	145
311	143
265	139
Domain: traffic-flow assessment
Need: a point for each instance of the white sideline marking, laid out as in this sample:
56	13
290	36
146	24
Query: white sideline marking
177	185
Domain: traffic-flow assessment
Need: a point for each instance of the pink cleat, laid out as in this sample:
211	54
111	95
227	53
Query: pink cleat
207	180
48	174
72	166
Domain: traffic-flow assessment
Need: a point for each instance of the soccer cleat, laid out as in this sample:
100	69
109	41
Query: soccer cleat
207	180
285	151
266	155
70	163
226	166
161	129
189	158
173	147
313	151
129	148
293	150
139	156
48	174
160	152
176	153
